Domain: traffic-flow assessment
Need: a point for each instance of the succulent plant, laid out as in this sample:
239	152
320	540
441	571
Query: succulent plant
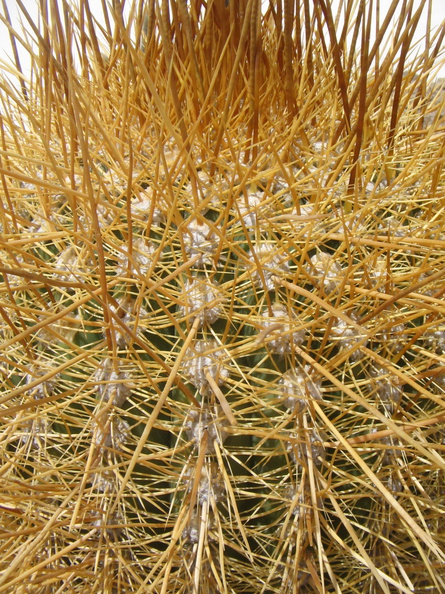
221	301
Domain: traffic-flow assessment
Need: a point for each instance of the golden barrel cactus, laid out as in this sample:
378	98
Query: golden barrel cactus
222	300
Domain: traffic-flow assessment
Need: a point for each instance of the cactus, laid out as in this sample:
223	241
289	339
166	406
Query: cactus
221	301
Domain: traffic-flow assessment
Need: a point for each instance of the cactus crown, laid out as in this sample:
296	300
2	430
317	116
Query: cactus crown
221	301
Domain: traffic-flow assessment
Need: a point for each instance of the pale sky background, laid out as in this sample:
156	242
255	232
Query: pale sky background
438	16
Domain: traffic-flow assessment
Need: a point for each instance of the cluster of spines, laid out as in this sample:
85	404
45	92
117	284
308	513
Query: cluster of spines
282	290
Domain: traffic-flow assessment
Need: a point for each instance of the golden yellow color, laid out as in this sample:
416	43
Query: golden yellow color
222	279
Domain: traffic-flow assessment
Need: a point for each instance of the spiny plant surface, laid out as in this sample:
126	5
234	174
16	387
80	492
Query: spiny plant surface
222	301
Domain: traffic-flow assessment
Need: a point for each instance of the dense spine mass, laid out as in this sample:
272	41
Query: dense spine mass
221	302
